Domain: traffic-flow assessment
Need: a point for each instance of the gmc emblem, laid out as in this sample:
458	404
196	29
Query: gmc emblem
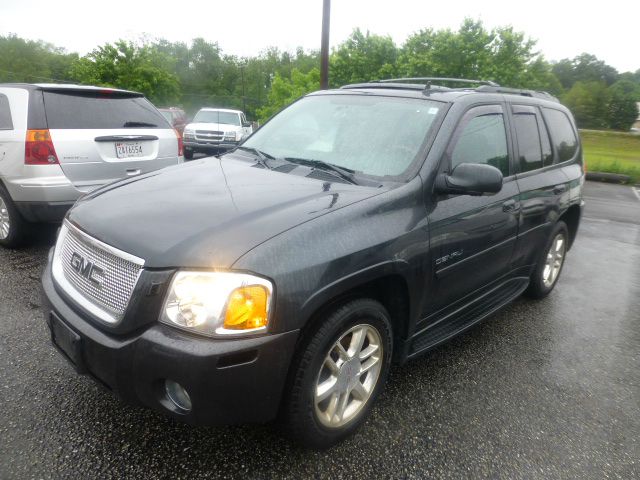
86	269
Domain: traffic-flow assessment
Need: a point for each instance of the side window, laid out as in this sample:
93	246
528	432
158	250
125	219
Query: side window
528	135
547	153
482	139
5	114
562	134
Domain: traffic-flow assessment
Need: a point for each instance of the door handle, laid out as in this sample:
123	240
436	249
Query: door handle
558	189
510	206
133	171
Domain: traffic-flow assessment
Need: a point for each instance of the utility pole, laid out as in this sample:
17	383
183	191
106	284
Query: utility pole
324	46
244	105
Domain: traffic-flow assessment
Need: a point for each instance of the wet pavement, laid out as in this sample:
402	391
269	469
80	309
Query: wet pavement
547	389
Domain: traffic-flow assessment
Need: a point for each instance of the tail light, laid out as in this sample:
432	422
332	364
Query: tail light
39	148
180	143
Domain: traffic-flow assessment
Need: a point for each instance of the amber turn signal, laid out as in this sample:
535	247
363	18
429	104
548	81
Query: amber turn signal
247	308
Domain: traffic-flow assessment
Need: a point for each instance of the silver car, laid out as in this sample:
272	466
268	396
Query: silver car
58	142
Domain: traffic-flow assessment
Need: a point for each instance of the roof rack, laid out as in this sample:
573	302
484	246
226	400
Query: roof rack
437	79
517	91
484	86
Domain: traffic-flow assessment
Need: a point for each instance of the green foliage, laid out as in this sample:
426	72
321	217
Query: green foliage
588	102
584	68
285	91
622	109
199	73
125	65
361	58
33	61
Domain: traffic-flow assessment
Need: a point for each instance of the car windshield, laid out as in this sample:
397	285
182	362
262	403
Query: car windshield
216	116
374	135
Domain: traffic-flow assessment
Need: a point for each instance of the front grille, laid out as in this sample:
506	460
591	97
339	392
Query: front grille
99	277
209	136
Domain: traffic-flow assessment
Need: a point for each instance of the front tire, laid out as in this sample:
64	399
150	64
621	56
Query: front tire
13	228
549	266
338	373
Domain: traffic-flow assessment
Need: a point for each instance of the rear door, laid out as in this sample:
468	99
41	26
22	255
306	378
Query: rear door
542	183
103	135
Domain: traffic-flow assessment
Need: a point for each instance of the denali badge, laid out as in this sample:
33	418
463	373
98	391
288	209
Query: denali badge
88	270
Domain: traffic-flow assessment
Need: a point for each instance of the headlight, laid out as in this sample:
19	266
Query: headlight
218	303
230	135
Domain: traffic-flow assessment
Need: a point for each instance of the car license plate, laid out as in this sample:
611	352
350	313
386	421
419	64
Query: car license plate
128	149
67	341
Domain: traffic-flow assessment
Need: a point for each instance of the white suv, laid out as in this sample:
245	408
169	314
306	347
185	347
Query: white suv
58	142
215	130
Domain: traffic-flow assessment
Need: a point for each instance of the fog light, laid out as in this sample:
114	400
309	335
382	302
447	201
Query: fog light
178	395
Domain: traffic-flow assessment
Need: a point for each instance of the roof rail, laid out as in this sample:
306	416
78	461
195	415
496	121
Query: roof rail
400	86
437	79
517	91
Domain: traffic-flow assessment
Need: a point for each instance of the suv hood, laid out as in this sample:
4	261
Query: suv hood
207	213
214	127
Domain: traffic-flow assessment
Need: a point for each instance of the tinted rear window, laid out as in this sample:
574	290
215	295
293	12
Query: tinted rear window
99	111
562	134
5	114
530	151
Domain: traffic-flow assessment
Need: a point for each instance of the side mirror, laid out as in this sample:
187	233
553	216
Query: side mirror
470	179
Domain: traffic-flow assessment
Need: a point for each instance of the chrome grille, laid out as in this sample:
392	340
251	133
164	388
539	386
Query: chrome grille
209	136
108	295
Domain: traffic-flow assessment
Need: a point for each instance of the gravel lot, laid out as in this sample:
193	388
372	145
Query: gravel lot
547	389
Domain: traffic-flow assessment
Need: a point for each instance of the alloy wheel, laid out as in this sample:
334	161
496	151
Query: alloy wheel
555	258
5	221
348	376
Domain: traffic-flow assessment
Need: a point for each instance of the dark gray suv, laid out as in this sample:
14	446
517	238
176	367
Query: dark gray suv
358	227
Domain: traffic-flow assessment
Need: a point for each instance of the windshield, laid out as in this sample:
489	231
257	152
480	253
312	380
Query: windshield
374	135
215	116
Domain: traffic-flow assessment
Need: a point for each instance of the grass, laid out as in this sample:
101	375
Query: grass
612	152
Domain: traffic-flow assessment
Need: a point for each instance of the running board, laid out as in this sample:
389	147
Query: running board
458	321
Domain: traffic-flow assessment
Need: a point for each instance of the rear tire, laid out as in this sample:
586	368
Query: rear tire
13	228
549	266
337	374
188	154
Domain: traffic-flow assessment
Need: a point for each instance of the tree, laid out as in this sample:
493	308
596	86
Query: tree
584	68
284	91
33	61
589	103
361	58
622	109
126	65
473	52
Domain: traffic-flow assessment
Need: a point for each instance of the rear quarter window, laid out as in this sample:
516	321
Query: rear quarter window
91	110
5	113
562	133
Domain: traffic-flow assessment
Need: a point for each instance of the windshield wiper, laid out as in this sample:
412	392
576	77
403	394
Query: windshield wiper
262	157
138	124
344	173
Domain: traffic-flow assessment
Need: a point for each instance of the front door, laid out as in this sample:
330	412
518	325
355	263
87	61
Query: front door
473	237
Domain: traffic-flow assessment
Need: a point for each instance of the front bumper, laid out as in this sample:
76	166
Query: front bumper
229	381
202	146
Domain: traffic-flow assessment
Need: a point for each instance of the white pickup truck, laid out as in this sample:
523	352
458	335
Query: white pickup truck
215	130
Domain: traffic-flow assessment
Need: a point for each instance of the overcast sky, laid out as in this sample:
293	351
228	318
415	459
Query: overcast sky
563	28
